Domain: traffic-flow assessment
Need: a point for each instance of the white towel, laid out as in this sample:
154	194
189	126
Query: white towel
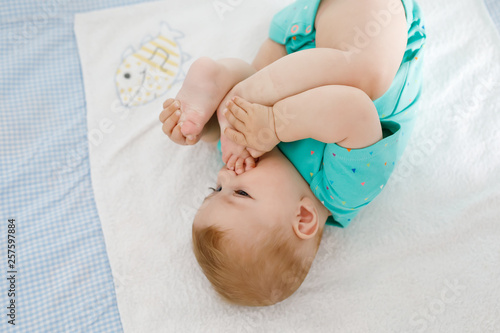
422	257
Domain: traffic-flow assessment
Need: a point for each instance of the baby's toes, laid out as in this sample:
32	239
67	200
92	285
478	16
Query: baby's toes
249	163
231	162
225	156
238	166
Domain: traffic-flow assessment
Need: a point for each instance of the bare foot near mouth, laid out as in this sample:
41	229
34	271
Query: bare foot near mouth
199	97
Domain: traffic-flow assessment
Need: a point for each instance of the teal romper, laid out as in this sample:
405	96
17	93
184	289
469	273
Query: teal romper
346	180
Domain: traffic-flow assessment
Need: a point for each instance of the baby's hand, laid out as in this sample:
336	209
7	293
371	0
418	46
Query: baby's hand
253	125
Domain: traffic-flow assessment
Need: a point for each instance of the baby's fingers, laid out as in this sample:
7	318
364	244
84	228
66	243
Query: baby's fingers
170	106
179	138
167	102
243	105
235	136
233	120
171	122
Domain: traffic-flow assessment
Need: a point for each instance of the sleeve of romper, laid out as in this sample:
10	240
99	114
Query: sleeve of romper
218	147
219	150
352	178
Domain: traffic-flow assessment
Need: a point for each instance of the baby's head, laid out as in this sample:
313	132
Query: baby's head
256	236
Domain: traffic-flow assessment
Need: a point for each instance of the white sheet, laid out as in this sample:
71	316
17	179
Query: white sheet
423	257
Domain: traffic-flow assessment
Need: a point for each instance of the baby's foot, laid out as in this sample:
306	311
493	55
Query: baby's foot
199	97
235	156
230	150
241	163
228	147
170	119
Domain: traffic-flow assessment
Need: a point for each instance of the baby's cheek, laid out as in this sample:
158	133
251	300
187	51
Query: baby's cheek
203	216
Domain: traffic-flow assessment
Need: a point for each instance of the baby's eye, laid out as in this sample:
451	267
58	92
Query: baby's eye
218	189
243	193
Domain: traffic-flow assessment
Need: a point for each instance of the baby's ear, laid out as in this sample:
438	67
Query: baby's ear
306	224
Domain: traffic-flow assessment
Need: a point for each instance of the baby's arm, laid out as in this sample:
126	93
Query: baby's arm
330	114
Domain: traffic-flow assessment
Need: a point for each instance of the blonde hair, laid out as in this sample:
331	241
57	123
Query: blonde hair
270	271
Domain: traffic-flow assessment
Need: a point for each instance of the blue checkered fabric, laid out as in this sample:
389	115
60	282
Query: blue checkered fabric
63	281
494	9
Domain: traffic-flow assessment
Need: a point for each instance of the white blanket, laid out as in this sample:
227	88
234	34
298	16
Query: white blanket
422	257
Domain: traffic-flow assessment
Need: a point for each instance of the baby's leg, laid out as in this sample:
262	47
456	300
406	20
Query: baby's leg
235	156
333	114
269	52
206	84
341	57
211	131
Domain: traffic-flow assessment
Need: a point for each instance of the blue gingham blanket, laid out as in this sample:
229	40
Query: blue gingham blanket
494	9
58	278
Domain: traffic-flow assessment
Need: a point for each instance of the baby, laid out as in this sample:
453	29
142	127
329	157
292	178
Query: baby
310	133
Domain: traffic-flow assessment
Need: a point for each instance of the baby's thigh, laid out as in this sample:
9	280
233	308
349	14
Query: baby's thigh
374	32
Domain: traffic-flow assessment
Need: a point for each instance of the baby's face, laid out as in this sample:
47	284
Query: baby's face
263	197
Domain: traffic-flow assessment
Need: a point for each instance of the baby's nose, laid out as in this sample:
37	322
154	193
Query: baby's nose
225	176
